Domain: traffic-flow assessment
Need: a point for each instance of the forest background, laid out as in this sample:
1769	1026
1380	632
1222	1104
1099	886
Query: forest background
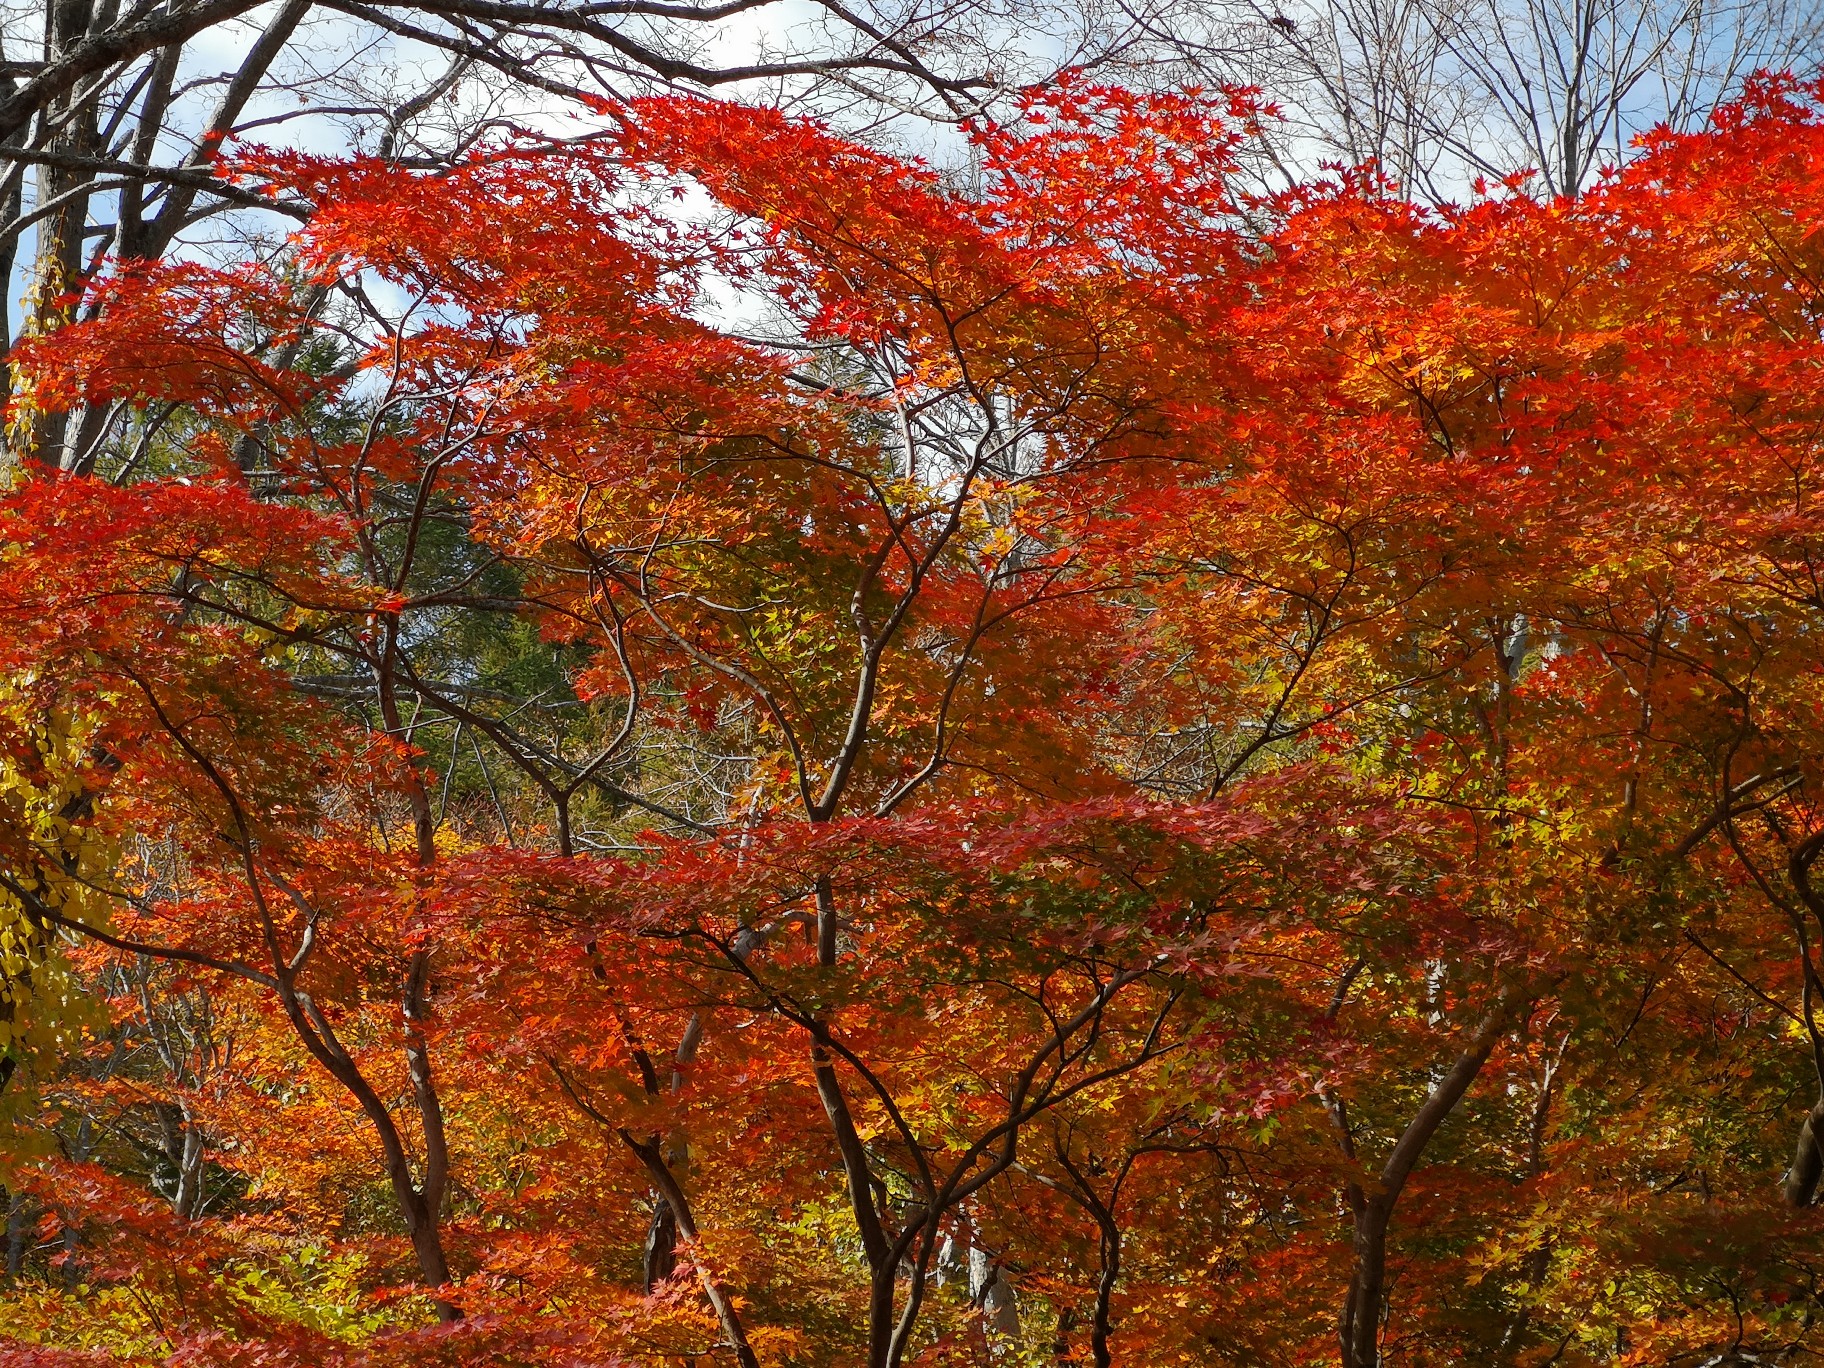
643	727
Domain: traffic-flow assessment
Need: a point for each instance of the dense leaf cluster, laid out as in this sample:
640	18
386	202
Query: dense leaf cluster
1098	772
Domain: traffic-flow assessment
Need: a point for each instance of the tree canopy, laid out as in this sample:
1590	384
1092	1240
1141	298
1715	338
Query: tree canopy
706	745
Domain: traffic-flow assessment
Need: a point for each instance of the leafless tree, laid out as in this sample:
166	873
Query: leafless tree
1441	92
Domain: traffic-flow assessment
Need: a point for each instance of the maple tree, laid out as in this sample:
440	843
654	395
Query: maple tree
1119	775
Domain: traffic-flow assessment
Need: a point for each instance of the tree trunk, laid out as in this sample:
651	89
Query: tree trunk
1801	1185
18	1233
661	1244
57	272
650	1154
1372	1202
1360	1328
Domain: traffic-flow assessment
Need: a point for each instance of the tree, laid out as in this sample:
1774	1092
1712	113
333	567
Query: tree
111	118
1112	788
1442	92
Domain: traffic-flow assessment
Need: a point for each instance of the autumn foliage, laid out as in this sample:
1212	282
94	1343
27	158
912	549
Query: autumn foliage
703	746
